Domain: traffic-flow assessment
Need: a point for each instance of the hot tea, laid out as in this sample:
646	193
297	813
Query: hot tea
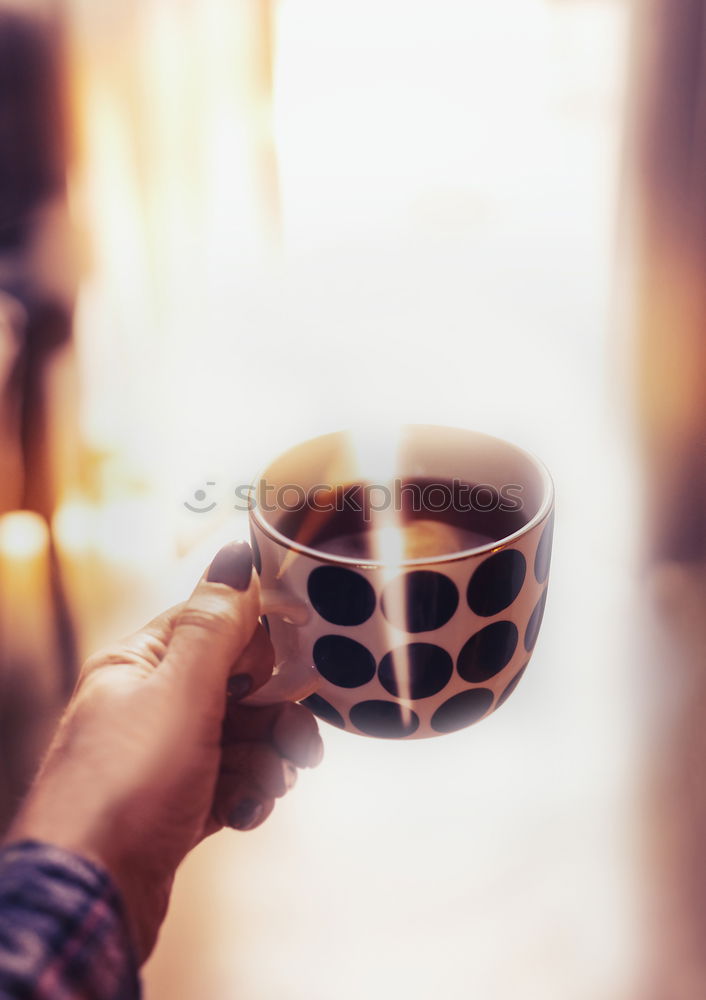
423	518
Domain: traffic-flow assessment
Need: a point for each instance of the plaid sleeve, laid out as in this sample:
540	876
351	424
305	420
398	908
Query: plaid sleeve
62	929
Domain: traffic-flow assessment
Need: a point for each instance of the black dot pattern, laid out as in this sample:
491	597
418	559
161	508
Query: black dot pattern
420	601
256	557
462	710
543	556
384	718
417	670
534	623
323	710
496	583
343	661
487	652
341	596
511	687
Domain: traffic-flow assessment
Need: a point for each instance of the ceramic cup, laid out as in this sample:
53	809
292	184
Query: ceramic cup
399	646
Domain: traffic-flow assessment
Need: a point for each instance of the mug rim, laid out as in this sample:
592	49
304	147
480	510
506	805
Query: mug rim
544	511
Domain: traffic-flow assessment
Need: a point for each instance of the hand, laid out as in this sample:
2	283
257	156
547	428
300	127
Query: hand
154	753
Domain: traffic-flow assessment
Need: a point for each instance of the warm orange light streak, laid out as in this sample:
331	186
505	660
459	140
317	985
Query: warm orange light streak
23	535
27	624
378	463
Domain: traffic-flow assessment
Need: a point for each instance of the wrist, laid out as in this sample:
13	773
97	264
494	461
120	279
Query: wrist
142	901
53	817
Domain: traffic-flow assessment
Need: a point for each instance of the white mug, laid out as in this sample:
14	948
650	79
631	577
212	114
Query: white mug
399	644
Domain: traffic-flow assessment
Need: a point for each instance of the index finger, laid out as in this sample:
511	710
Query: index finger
291	729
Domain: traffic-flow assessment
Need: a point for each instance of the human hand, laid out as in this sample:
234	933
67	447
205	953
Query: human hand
154	753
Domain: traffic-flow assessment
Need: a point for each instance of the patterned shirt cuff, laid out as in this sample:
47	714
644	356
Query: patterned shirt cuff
63	934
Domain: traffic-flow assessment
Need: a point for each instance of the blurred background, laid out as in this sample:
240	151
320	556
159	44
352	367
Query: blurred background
228	225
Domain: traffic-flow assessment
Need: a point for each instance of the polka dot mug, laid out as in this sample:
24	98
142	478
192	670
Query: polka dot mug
402	643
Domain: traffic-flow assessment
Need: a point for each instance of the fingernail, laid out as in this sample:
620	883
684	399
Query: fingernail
316	750
232	566
239	685
290	775
245	815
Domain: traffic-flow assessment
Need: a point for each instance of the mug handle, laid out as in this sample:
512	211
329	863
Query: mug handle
291	678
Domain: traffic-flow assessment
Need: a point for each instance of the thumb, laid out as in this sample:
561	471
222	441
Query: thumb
215	625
